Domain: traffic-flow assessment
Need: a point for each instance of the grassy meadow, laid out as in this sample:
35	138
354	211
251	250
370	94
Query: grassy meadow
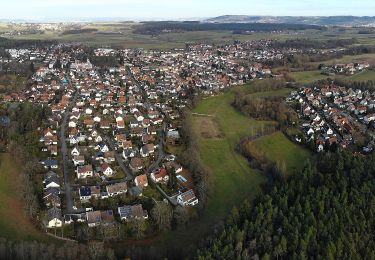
14	224
278	148
219	128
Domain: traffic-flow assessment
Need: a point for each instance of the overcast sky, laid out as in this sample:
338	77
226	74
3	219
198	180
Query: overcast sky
168	9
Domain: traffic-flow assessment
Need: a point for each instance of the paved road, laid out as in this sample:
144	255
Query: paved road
161	154
127	171
64	152
155	165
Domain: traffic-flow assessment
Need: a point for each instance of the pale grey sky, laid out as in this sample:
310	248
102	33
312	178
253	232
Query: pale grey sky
168	9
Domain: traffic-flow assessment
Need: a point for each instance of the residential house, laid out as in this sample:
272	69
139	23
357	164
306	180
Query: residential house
84	193
187	198
147	149
160	176
50	164
141	181
54	218
75	152
116	189
132	212
84	171
106	169
79	160
94	218
173	138
136	164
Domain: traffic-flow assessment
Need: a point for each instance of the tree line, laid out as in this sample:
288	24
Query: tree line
264	108
190	158
21	137
160	27
11	249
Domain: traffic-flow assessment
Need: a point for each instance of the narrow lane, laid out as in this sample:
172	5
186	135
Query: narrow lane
126	170
64	152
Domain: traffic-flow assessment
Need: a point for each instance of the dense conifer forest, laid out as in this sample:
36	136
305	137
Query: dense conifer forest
323	213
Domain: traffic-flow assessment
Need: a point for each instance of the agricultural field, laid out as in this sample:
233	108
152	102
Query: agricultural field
369	57
305	77
120	34
13	221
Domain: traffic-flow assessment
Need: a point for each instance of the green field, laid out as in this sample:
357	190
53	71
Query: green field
275	93
233	179
305	77
369	57
120	34
364	75
278	148
308	76
13	222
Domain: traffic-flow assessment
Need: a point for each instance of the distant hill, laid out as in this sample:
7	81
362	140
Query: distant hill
315	20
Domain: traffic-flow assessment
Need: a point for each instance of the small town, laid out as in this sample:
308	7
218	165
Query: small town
107	144
109	141
187	130
336	116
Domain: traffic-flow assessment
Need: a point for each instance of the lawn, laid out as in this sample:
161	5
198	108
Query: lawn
278	148
13	222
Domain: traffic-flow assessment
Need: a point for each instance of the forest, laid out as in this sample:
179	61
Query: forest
325	212
265	108
309	43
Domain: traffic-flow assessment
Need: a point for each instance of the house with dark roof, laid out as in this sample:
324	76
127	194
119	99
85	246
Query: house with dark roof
54	218
50	164
132	212
116	189
187	198
84	193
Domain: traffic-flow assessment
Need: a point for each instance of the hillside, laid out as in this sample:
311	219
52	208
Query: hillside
317	214
315	20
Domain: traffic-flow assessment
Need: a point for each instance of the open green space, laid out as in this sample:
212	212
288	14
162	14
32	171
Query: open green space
233	179
364	75
278	148
369	57
231	171
275	93
13	221
305	77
